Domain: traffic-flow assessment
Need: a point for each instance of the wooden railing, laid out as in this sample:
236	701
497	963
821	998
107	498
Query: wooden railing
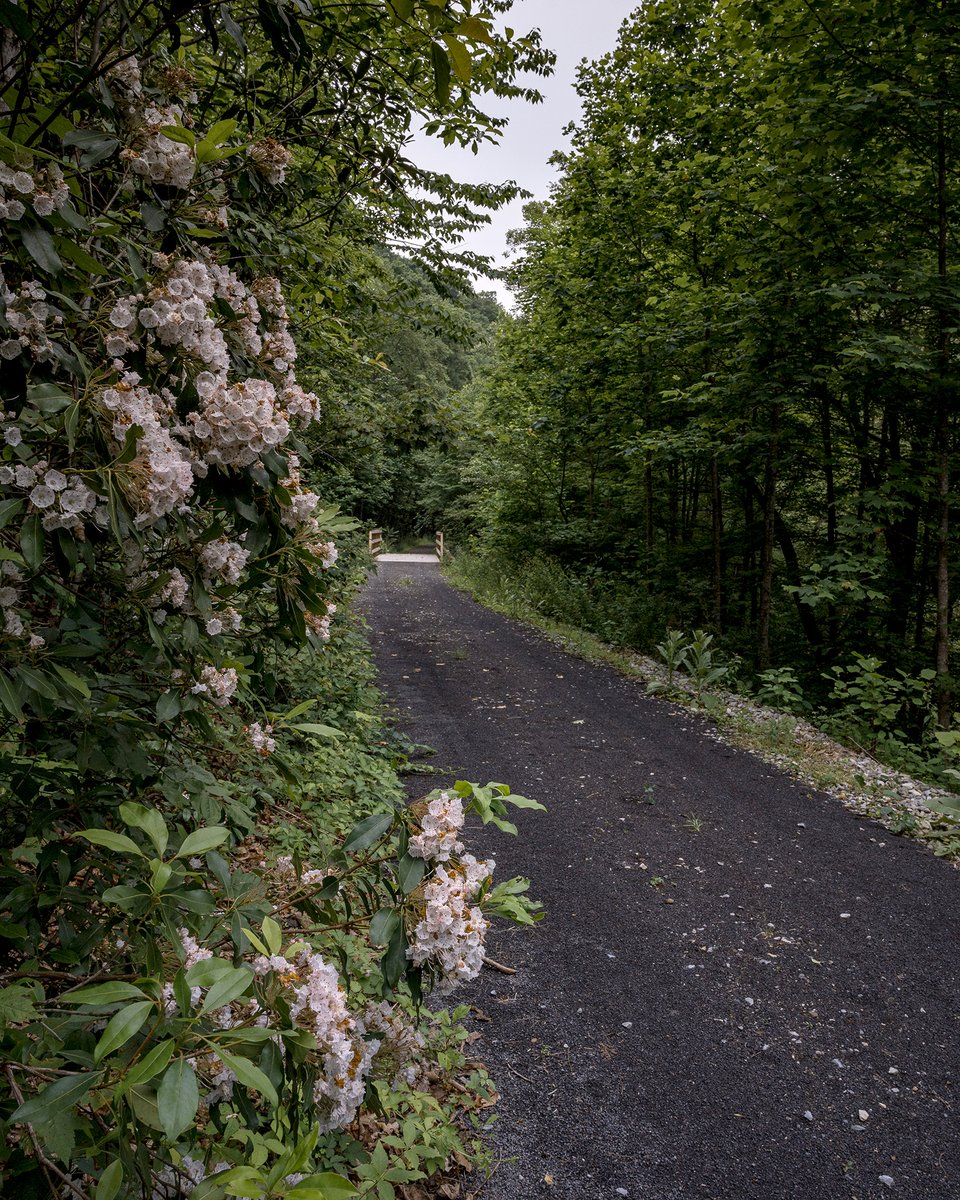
375	543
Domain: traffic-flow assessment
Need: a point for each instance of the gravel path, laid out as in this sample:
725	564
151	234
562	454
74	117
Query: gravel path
741	990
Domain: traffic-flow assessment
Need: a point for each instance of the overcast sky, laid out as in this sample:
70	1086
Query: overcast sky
573	29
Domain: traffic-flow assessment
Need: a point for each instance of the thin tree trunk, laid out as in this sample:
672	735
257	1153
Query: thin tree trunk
766	551
716	523
942	634
648	506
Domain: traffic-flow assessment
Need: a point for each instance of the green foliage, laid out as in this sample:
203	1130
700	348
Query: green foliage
779	687
729	388
180	1017
873	707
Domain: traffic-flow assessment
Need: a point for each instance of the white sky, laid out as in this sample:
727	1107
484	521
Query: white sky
574	30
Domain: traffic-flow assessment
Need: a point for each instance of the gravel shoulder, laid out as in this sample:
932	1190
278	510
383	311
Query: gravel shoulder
742	989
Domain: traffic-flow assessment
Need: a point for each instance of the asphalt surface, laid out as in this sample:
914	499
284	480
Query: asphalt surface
741	990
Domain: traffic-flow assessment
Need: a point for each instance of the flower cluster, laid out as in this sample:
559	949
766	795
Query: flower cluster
320	1006
161	473
234	422
440	826
271	159
318	625
10	598
43	188
285	871
401	1044
225	620
223	559
261	738
451	933
62	499
237	424
29	316
218	685
157	157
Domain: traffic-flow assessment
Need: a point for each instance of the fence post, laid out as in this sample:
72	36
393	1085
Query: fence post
438	544
375	541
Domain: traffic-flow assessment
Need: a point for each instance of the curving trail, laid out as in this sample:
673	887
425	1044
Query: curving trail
741	990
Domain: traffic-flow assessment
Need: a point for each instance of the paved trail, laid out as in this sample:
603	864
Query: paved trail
741	990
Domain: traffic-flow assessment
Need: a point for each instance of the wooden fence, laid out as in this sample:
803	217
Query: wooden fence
375	543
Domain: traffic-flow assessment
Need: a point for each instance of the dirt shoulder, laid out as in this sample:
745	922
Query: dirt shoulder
741	990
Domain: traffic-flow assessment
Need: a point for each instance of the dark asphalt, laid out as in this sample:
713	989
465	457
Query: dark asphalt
741	990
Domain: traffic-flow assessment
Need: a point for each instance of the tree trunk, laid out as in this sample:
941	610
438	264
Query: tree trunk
941	651
766	550
648	508
716	522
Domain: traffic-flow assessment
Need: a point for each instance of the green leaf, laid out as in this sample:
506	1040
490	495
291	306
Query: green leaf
402	8
168	706
441	72
178	1098
79	257
138	816
202	840
367	832
298	1158
475	29
326	731
383	925
59	1135
255	942
111	841
460	57
394	962
9	698
207	971
150	1066
238	1181
48	397
54	1099
94	147
228	988
410	872
328	1184
232	28
219	133
112	992
31	540
8	510
272	935
108	1185
72	680
17	1004
38	682
524	802
39	245
154	217
177	133
121	1027
248	1074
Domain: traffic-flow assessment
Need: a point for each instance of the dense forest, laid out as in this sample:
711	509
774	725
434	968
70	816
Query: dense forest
727	399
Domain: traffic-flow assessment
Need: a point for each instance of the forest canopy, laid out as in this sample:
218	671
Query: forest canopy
729	395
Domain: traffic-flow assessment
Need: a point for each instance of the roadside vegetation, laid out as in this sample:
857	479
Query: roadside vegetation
221	922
